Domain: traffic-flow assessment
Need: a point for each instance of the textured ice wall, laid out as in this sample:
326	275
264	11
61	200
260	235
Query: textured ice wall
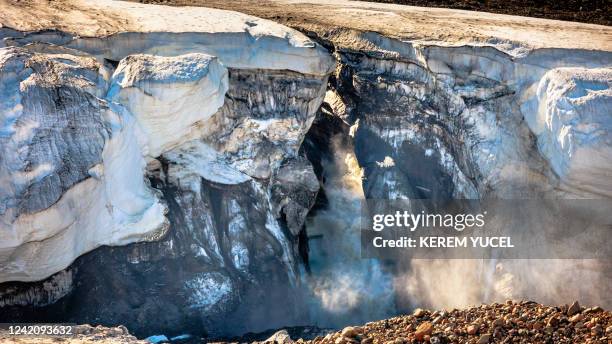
120	28
74	160
65	154
474	122
466	116
231	233
573	123
169	96
117	123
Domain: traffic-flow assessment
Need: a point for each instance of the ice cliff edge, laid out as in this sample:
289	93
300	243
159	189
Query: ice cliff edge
83	112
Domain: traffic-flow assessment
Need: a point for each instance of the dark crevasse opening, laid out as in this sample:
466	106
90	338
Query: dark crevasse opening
393	129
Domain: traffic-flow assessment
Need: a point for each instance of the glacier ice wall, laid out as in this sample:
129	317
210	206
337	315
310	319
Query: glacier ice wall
181	137
169	96
473	122
572	123
191	160
66	152
462	122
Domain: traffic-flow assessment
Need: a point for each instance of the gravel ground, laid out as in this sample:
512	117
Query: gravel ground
510	322
587	11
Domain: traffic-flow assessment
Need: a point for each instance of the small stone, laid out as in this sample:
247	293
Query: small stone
367	340
498	322
419	312
597	330
595	309
350	332
435	340
553	321
472	329
400	340
423	330
484	339
281	337
576	318
537	325
608	330
574	309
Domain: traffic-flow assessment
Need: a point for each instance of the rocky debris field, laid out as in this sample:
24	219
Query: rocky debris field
586	11
510	322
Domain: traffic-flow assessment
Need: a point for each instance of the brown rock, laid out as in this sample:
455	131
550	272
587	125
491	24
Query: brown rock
574	309
595	309
484	339
472	329
367	340
419	312
576	318
537	325
350	332
597	330
423	330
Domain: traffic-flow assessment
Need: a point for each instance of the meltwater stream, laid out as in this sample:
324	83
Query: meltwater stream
345	289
